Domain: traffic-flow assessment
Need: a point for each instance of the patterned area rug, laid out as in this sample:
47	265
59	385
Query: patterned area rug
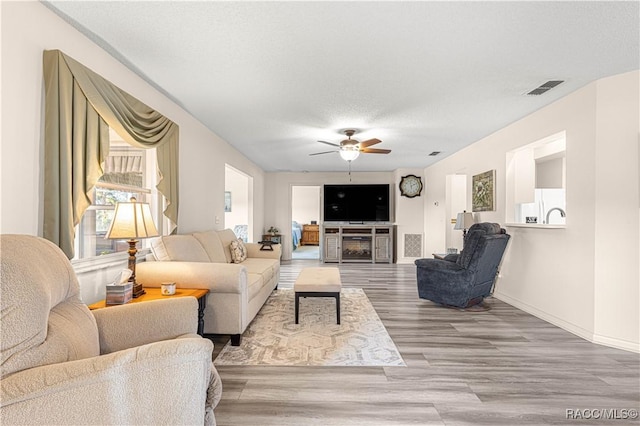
274	339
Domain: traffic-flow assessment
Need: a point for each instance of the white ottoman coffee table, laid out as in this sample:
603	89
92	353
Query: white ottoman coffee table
318	282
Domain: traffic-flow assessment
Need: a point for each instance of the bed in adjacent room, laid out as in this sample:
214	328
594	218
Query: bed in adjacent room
296	234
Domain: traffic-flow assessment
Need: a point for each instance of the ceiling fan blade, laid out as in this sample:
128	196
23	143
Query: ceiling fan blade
325	152
330	143
369	142
375	151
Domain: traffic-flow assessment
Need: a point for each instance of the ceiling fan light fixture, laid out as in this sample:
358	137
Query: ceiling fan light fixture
349	153
350	149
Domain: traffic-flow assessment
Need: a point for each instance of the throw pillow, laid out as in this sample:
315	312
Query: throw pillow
238	251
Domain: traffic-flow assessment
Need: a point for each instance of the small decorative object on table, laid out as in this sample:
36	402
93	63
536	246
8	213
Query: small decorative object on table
168	289
272	235
120	291
532	219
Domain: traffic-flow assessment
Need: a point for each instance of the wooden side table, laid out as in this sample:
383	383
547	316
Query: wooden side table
310	235
153	293
276	239
266	245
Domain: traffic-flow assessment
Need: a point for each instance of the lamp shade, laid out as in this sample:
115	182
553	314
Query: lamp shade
349	153
464	220
132	220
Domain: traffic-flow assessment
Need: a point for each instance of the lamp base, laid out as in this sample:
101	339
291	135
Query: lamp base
137	287
138	290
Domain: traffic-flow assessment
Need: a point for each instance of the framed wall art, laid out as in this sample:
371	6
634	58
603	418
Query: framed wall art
227	201
484	191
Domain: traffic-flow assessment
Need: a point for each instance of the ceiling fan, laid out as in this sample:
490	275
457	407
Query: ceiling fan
350	149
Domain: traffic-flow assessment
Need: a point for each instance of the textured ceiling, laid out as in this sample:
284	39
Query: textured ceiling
272	78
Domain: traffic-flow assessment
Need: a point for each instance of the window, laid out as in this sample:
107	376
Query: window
128	172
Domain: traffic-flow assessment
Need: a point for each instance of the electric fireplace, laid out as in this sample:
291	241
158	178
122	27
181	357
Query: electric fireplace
357	248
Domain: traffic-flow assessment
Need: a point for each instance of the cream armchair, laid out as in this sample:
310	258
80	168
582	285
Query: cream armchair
63	364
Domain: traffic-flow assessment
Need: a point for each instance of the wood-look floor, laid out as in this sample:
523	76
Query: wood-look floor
500	367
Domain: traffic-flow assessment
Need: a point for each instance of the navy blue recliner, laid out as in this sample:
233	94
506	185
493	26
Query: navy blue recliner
464	280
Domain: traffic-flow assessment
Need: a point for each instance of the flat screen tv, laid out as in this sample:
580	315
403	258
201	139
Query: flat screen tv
356	203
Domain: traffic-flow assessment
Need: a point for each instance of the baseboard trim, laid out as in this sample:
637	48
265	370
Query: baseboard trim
616	343
571	328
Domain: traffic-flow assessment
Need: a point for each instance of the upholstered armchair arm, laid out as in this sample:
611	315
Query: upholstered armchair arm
160	383
453	257
442	281
253	250
217	277
136	324
445	266
436	272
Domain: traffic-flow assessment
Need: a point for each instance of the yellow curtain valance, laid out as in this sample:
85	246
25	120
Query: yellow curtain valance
80	106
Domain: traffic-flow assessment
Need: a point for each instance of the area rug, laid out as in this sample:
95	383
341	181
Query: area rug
274	339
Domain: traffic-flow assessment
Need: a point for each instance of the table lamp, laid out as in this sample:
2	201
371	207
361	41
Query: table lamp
464	222
132	220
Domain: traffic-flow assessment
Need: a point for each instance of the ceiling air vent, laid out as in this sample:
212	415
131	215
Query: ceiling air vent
434	153
545	87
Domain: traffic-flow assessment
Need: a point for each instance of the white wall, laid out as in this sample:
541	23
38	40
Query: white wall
617	284
305	204
27	29
584	277
409	214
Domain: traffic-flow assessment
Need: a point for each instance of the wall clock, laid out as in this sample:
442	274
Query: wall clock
410	186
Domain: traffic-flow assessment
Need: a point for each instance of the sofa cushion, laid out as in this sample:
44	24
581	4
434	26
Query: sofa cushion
254	285
264	267
185	248
238	251
211	243
227	236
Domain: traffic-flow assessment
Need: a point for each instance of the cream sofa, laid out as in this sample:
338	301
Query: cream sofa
237	291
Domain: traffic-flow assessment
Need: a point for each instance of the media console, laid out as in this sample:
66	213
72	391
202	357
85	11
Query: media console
357	243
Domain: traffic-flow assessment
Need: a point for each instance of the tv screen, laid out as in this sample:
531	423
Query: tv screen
356	203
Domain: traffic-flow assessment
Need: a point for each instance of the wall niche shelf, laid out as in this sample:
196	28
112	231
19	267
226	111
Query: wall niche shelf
536	183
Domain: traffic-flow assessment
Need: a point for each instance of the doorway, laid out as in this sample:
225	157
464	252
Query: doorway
238	203
456	202
305	222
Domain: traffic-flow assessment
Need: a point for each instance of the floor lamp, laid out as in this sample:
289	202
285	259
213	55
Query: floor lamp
132	220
